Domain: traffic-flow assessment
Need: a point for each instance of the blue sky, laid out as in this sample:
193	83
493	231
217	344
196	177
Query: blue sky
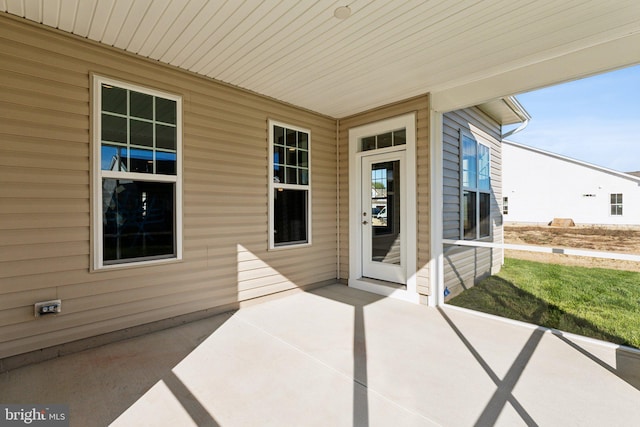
596	119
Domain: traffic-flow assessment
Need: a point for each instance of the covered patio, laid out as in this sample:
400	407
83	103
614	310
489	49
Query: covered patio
340	357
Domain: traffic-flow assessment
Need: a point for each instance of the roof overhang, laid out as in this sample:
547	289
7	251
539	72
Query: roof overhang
506	111
464	53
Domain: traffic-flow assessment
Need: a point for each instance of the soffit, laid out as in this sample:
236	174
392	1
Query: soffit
464	52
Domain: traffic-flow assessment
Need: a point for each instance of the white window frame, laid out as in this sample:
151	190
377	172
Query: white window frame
475	188
273	187
99	175
621	204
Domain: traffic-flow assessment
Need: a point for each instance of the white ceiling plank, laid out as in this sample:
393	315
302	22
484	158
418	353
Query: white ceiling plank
51	13
146	26
365	51
289	27
68	11
16	7
180	23
84	17
259	40
135	16
116	21
285	55
100	19
33	10
296	51
322	42
161	26
199	33
230	34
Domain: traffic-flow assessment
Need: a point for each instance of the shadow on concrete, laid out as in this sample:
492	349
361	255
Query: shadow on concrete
504	391
360	371
500	297
101	383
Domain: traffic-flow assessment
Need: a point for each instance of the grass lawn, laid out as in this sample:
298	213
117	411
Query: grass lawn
593	302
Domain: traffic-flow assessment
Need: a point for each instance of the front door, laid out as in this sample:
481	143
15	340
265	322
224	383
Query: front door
383	217
382	207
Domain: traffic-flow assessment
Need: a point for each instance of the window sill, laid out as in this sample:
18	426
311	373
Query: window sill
136	264
291	246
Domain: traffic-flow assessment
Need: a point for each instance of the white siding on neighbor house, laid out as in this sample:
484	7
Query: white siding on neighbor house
542	186
464	266
45	195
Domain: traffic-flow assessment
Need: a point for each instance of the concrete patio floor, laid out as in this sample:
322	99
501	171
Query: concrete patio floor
340	357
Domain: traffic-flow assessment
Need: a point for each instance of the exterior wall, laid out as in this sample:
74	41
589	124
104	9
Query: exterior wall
552	186
45	195
464	266
420	105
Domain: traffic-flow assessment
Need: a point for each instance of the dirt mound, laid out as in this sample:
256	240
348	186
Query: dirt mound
594	238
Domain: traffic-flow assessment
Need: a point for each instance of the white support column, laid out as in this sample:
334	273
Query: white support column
436	262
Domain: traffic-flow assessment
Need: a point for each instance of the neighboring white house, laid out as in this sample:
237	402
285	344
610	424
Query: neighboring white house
540	186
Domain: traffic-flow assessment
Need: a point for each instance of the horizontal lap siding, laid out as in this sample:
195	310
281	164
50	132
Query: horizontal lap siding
419	105
45	209
465	266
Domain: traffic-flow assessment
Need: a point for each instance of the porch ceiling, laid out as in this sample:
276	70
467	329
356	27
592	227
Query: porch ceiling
464	52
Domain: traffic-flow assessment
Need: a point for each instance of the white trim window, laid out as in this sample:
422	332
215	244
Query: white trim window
137	174
475	198
289	185
616	204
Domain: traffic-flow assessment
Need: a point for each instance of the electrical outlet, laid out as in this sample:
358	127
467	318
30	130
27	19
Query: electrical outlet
47	307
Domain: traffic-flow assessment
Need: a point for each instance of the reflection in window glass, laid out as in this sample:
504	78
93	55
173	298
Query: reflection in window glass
485	215
139	134
290	186
384	140
113	158
469	162
141	105
138	220
290	216
114	129
129	119
484	176
469	214
114	99
476	183
166	110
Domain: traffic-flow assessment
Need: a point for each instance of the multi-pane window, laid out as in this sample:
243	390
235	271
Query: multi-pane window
289	186
616	204
476	189
505	206
384	140
138	173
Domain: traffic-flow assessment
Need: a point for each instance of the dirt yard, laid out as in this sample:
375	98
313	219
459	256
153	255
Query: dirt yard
617	240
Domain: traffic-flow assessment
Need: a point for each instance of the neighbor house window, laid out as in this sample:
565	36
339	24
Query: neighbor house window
138	173
476	189
616	204
289	187
505	206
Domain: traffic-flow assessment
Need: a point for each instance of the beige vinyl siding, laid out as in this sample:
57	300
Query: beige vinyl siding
419	105
45	196
463	267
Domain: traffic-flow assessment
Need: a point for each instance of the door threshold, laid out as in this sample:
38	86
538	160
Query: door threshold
392	285
388	289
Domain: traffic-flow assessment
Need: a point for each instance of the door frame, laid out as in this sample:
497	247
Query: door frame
407	121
